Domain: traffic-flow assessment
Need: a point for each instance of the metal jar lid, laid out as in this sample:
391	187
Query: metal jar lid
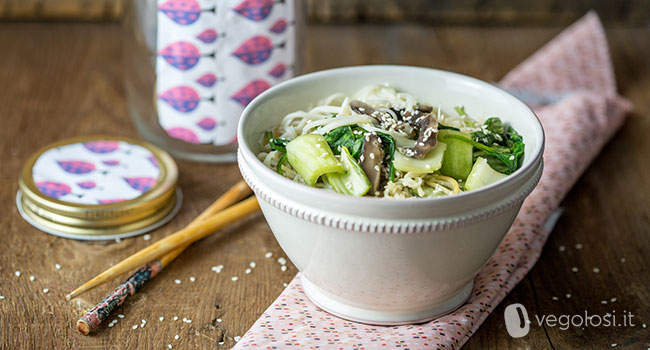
98	187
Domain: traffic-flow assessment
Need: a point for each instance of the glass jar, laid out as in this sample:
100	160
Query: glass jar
191	66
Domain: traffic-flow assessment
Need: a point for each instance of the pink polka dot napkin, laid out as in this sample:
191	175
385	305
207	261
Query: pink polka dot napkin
575	68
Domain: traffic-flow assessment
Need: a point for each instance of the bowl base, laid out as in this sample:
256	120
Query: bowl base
356	314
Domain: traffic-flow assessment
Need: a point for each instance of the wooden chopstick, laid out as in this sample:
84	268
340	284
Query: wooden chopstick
170	246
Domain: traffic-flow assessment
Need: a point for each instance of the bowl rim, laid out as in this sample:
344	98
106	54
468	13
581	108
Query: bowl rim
316	193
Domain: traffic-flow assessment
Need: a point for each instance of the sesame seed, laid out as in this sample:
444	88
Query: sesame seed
568	295
372	156
110	325
283	268
578	246
144	321
176	337
268	255
135	326
120	316
236	338
187	320
175	318
234	278
284	284
596	270
574	269
161	318
561	248
45	290
177	281
2	297
613	300
146	237
192	279
252	264
555	298
377	167
219	320
282	261
614	344
603	302
622	260
221	343
247	271
32	278
57	266
169	346
644	326
17	273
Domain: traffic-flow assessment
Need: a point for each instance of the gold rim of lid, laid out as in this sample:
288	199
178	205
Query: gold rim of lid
118	217
101	231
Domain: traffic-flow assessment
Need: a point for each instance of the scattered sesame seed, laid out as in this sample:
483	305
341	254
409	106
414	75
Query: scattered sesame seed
142	325
561	248
283	268
282	261
146	237
644	326
144	321
614	344
372	156
110	325
192	279
613	300
176	337
32	278
622	260
285	284
187	320
120	316
236	338
574	269
555	298
175	318
161	318
252	264
219	320
57	266
578	246
234	278
169	346
2	297
568	295
268	255
45	290
135	326
221	343
603	302
177	281
596	270
248	271
17	273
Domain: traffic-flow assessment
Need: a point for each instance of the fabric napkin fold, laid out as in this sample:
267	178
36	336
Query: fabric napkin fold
576	66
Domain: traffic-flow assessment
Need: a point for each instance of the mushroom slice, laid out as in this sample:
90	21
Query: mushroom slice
428	126
424	108
361	107
371	158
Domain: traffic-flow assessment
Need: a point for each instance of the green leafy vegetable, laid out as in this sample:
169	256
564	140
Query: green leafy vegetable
279	145
310	156
345	136
388	145
354	181
447	127
503	150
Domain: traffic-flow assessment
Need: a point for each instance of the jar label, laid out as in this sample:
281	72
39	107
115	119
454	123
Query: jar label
96	172
214	57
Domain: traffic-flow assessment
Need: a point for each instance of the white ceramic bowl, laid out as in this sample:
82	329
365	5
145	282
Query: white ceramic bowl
388	261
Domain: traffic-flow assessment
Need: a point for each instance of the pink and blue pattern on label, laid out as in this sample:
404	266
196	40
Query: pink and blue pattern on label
214	57
96	172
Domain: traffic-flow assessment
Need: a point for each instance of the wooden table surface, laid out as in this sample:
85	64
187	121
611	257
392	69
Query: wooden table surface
59	80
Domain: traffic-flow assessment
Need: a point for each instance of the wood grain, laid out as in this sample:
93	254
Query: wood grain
60	80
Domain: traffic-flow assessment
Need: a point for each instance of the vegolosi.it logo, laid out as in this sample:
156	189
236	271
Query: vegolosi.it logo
518	322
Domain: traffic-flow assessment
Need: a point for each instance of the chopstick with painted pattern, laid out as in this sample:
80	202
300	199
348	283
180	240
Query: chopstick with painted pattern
198	226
